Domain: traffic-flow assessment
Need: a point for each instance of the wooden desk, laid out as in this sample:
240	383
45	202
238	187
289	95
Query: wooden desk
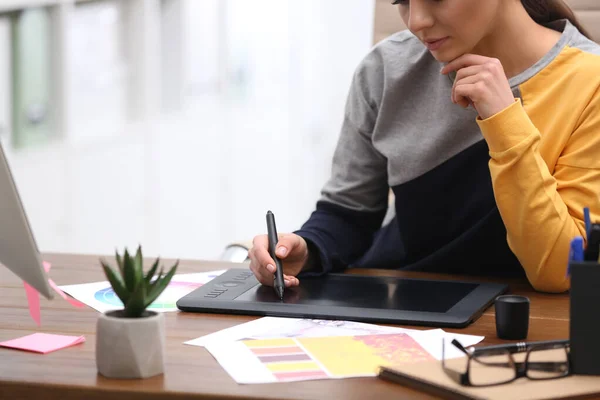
191	372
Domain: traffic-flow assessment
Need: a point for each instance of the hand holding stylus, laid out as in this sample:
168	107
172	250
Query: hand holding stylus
291	250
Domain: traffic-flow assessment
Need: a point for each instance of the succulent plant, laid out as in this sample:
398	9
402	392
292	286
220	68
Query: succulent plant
136	290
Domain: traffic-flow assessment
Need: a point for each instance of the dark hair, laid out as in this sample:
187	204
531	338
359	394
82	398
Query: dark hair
545	11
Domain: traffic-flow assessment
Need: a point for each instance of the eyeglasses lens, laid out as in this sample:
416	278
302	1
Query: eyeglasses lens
547	363
490	369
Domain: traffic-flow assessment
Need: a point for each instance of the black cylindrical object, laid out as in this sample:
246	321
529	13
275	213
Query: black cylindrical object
512	317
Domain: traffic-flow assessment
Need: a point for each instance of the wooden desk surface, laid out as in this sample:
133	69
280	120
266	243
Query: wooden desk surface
191	372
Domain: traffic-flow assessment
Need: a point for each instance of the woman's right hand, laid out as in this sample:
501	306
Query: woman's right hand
291	250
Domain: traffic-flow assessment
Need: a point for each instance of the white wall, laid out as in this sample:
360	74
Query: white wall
256	132
202	45
5	85
99	74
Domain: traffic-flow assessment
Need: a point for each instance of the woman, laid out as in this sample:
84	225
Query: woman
484	120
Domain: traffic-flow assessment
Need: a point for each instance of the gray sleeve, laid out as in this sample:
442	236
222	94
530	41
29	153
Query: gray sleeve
359	172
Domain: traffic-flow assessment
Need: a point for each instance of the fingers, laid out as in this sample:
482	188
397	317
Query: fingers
286	245
465	75
480	82
261	263
467	72
265	277
261	273
458	96
469	91
470	69
471	79
467	60
290	281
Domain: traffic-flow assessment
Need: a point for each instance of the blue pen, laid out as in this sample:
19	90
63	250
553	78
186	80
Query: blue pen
588	221
575	253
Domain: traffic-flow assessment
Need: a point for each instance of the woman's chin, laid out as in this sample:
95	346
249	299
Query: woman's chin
444	56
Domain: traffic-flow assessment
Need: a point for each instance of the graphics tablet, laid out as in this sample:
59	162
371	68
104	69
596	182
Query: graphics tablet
348	297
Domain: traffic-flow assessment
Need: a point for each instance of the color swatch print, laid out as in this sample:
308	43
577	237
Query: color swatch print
293	359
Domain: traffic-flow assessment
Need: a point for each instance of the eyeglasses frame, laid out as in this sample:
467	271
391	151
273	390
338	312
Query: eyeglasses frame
521	368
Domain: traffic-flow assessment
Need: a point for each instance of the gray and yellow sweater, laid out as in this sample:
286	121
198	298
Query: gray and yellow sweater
500	196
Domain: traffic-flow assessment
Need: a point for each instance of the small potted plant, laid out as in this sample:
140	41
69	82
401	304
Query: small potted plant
130	342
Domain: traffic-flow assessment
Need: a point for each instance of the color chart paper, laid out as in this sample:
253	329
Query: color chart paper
308	358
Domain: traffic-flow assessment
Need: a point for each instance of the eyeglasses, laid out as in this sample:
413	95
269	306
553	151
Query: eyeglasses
495	365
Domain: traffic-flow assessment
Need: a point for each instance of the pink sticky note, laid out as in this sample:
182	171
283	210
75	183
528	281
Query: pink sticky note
43	342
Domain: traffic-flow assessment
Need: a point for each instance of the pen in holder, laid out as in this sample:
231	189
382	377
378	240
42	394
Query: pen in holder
584	324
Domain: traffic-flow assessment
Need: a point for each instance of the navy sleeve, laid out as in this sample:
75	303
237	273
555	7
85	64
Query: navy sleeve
337	236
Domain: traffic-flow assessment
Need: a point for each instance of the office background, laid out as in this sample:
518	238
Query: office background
174	124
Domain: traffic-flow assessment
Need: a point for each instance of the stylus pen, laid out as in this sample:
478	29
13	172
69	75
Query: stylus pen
272	233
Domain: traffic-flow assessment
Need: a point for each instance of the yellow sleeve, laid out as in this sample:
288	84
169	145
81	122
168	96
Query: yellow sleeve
542	205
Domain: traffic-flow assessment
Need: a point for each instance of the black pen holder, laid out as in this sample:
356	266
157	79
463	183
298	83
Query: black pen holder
584	324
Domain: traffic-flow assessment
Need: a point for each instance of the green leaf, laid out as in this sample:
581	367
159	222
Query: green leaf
136	304
136	290
129	272
139	265
160	284
152	271
115	282
119	262
150	287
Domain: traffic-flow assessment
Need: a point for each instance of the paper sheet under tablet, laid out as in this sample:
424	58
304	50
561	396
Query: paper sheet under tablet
290	359
101	297
278	327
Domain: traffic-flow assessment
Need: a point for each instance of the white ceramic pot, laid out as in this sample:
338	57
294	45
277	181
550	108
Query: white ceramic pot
129	348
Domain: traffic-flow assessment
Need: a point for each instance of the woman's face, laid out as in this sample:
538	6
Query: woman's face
449	28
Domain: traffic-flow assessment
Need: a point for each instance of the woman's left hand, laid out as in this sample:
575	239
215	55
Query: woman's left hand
480	81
